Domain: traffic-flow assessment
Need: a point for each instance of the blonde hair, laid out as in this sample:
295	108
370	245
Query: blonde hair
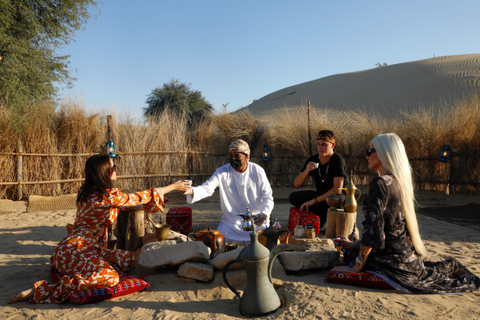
392	154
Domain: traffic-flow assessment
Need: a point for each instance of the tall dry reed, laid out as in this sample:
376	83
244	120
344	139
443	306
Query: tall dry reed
71	129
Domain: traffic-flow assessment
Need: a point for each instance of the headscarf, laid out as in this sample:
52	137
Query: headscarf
241	146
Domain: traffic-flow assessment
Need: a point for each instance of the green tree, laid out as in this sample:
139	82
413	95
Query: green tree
179	98
30	32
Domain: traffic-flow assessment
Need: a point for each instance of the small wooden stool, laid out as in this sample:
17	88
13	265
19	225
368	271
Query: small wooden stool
339	223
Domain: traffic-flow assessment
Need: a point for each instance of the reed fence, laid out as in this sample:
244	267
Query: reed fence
429	173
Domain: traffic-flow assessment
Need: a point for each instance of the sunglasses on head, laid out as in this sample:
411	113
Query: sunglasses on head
370	151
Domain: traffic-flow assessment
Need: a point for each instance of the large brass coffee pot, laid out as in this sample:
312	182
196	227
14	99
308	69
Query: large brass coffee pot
259	297
350	200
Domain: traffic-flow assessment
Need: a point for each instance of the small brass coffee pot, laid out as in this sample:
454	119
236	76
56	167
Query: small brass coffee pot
161	230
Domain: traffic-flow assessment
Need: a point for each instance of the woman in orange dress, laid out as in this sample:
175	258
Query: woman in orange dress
82	257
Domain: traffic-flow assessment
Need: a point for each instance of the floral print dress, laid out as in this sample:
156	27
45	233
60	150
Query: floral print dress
393	255
82	257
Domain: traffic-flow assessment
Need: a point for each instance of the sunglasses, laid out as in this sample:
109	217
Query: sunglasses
370	151
114	168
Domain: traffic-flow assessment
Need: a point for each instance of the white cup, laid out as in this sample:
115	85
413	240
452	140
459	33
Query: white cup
189	182
316	165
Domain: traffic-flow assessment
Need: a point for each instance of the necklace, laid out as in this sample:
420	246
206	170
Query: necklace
326	171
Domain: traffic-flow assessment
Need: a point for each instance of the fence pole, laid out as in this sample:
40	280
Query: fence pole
309	131
19	168
109	128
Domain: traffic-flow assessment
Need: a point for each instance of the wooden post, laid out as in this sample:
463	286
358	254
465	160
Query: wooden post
109	128
309	131
19	168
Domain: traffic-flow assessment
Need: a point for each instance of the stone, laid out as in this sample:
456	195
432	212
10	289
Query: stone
318	255
221	260
177	236
237	277
195	270
159	254
278	272
307	241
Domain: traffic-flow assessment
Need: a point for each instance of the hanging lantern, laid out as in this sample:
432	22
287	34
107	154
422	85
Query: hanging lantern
266	154
445	154
111	149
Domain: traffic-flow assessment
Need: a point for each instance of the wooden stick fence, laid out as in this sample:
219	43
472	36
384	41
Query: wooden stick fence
20	156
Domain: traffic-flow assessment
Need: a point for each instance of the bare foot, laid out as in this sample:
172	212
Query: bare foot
22	296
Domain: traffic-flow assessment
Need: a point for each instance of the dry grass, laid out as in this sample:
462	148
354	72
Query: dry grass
70	129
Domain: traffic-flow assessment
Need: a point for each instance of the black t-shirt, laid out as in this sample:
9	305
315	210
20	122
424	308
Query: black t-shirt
325	173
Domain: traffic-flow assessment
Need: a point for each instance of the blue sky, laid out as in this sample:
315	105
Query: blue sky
237	51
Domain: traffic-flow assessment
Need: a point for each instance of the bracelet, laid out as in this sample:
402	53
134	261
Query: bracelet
358	261
316	201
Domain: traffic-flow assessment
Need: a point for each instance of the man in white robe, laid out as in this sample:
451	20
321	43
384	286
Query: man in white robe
241	184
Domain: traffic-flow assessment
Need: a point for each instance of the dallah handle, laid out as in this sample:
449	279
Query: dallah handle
225	268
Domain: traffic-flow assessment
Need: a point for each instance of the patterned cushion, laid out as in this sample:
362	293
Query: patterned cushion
128	284
362	279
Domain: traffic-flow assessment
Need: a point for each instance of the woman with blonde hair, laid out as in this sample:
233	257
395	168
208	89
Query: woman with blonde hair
391	245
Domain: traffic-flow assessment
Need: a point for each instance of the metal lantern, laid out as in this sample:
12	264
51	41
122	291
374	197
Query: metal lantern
111	149
445	154
266	154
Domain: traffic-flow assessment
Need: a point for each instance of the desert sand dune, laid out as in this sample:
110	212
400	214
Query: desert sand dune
385	90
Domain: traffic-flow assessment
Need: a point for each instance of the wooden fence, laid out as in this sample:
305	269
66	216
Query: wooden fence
460	175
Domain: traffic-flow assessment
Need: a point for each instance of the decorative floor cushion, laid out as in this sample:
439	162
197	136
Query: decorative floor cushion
180	219
297	217
128	284
361	279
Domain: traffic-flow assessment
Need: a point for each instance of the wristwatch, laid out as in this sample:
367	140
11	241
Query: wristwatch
358	261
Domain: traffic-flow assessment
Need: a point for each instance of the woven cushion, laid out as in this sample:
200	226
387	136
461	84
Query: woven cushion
180	219
128	284
297	217
361	279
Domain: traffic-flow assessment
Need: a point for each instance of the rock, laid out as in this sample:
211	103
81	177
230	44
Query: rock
235	278
158	244
177	236
221	260
277	270
159	254
172	235
317	256
197	271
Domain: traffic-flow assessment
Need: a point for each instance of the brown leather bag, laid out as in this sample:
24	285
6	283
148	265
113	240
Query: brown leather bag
212	239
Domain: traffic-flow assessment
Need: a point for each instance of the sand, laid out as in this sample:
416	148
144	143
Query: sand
407	86
28	240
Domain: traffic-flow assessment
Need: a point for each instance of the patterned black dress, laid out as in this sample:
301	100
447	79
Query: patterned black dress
393	256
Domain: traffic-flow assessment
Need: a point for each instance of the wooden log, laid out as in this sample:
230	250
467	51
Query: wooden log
130	228
344	223
330	229
135	231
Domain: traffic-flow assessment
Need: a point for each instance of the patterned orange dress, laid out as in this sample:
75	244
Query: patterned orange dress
82	257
